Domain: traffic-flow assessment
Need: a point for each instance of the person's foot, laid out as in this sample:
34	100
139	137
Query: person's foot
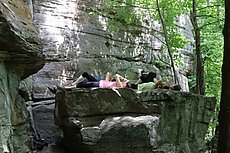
53	90
176	87
70	87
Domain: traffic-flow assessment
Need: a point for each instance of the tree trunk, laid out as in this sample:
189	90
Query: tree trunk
224	114
176	80
200	87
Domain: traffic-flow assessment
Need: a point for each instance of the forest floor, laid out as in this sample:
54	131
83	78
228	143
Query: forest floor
52	149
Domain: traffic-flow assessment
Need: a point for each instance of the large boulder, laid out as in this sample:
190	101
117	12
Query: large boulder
123	120
20	45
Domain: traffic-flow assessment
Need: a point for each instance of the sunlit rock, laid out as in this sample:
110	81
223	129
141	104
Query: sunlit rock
75	41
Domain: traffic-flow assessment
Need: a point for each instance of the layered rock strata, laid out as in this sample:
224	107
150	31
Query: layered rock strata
20	56
125	121
76	39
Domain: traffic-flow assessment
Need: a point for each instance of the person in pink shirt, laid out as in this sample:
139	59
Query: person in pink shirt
109	82
120	82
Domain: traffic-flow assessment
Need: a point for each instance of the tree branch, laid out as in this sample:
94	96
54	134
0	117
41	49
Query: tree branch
210	23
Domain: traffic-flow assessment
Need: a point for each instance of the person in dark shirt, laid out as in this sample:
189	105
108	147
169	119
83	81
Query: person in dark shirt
144	78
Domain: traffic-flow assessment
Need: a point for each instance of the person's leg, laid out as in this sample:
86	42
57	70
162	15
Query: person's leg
79	79
83	77
89	77
88	85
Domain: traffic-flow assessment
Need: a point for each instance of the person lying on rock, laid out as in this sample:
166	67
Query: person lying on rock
157	84
144	78
109	81
148	81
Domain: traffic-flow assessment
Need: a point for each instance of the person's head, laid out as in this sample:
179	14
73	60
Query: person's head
152	75
158	84
128	85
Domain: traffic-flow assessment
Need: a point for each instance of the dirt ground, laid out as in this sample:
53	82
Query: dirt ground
52	149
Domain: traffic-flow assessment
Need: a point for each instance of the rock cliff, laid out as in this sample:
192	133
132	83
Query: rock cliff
20	56
75	41
123	120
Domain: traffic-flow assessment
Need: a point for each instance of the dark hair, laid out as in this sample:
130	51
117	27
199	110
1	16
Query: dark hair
128	85
113	79
152	75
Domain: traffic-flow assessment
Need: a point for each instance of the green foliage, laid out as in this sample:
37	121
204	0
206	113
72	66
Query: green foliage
120	13
210	16
211	24
210	21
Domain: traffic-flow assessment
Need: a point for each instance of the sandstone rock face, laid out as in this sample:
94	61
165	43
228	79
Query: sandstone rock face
75	41
124	120
13	114
19	39
20	56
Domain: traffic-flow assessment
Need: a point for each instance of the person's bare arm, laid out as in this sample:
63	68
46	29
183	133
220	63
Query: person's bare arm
138	81
108	76
120	79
